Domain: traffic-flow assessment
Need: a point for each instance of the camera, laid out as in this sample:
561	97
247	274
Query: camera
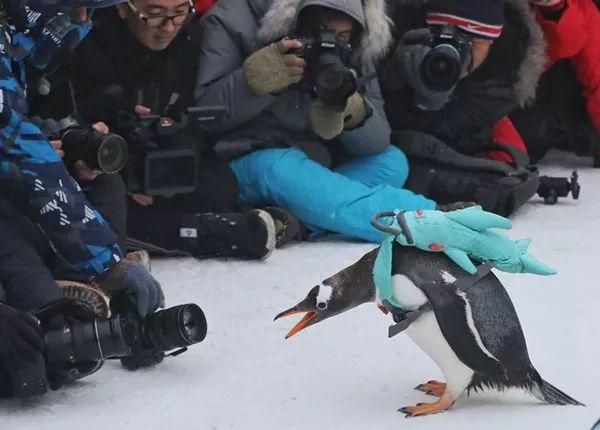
442	67
328	75
105	152
551	188
164	152
76	346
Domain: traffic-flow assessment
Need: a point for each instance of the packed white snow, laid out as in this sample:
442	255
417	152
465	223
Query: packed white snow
345	373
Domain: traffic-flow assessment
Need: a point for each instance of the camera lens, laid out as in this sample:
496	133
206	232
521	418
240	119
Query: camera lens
90	341
441	68
175	327
112	153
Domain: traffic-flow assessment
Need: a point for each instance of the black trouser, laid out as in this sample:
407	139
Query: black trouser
159	223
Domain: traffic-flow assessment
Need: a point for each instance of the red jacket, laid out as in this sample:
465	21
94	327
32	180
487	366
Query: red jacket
576	37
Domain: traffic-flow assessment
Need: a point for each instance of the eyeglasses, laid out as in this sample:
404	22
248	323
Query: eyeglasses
155	21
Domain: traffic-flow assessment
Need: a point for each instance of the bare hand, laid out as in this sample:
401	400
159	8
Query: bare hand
142	110
100	127
142	199
57	145
85	172
79	14
294	63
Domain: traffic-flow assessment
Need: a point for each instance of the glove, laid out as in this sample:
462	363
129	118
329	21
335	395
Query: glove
131	277
408	58
271	70
464	233
329	122
20	336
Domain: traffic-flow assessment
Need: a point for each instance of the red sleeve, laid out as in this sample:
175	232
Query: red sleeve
586	63
505	132
565	37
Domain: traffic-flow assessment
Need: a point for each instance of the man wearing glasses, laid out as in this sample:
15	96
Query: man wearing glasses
141	58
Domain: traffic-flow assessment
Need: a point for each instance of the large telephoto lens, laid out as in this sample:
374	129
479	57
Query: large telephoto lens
175	327
441	68
90	341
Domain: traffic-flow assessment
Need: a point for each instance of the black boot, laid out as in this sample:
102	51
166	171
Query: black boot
248	235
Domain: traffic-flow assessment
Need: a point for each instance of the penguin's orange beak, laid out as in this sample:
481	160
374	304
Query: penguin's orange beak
306	320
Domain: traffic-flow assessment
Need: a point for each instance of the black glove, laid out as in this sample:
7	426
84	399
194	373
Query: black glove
408	58
132	277
21	345
20	336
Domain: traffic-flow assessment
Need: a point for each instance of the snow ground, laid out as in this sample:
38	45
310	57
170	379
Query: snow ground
345	373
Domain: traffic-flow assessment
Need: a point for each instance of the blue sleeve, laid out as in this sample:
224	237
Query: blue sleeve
43	189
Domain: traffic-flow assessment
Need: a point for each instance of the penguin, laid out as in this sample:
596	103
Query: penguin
466	323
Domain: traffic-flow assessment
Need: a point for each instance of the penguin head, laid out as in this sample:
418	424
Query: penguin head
345	290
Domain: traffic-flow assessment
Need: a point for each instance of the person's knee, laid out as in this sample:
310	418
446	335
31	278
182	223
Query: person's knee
395	166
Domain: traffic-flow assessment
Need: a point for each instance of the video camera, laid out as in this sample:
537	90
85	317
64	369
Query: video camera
77	344
163	152
328	75
105	152
442	67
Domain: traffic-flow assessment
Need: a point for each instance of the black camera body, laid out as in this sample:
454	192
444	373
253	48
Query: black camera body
329	76
163	152
77	344
442	67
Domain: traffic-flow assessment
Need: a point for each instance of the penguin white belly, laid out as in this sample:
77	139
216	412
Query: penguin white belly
426	333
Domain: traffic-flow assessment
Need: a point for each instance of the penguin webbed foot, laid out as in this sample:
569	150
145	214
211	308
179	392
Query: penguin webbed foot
442	405
432	388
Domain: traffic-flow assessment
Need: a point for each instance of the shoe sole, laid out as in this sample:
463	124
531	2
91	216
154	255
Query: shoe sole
267	219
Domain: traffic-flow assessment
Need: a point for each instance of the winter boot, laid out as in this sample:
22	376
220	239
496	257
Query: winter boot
249	235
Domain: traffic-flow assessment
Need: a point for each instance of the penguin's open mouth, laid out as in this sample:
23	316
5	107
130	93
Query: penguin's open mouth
303	323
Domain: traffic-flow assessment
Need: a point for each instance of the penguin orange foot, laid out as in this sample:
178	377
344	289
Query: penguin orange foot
442	405
432	388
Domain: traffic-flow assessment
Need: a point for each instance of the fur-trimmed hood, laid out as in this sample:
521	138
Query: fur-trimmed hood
376	37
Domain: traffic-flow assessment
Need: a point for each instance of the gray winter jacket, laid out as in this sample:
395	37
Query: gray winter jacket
233	30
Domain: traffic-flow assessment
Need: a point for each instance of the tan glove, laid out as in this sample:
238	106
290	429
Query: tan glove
271	69
329	123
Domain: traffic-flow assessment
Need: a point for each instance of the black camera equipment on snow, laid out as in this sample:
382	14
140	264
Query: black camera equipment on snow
552	188
164	152
328	75
77	344
105	152
442	67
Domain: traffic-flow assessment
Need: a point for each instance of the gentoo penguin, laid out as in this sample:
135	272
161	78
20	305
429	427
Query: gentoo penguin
466	323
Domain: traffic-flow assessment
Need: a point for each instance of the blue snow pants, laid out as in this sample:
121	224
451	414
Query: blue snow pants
340	200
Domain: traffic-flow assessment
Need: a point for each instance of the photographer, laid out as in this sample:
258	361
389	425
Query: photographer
566	114
34	179
140	60
501	58
302	132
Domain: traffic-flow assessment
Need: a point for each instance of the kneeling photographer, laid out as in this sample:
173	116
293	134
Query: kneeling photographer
457	70
137	72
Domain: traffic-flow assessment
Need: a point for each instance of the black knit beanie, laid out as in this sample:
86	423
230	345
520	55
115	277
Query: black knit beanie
481	18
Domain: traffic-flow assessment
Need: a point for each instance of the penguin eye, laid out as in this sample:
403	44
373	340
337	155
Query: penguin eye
322	306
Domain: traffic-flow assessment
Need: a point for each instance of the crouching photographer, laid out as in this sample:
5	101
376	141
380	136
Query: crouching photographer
67	340
457	69
137	73
305	127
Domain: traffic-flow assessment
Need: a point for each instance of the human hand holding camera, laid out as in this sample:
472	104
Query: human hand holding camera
81	169
329	122
133	278
273	68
